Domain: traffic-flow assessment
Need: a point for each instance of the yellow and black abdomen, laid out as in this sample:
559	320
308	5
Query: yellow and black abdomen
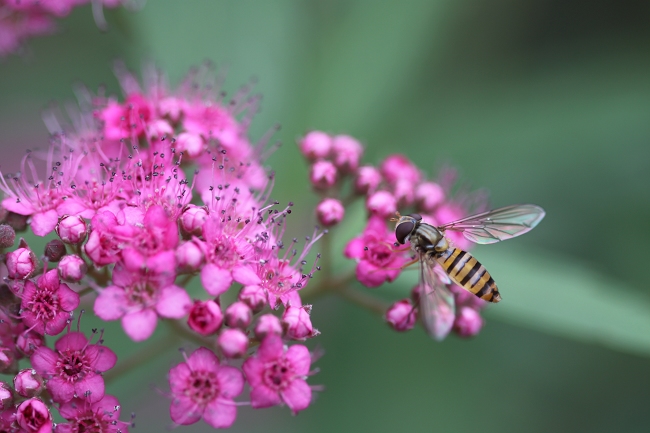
464	270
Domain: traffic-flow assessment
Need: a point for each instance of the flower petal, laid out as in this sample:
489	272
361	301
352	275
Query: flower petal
103	358
43	223
44	360
140	325
111	304
90	388
184	411
300	359
246	276
173	302
71	341
215	280
231	381
220	414
263	396
297	395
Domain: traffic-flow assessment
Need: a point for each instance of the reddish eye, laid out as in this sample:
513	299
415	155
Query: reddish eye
403	230
416	216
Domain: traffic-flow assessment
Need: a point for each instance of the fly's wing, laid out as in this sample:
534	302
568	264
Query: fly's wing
498	224
437	307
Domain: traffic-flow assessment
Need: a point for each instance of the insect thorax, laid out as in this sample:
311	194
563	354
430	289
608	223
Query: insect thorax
428	239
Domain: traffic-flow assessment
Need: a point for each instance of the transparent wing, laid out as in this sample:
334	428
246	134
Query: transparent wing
437	307
498	224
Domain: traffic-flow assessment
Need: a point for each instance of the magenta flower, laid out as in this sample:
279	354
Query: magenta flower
74	369
277	375
102	416
377	261
202	388
33	416
126	120
48	304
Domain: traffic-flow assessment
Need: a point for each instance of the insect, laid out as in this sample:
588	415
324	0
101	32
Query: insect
436	304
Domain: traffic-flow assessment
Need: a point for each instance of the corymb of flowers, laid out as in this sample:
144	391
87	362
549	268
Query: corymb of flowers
142	194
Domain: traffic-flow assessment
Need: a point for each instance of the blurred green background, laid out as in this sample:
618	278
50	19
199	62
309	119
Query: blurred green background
545	102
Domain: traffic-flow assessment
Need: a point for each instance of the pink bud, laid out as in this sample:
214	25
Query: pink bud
33	416
28	383
28	342
54	250
401	315
367	179
159	128
400	167
468	322
254	297
323	175
170	107
8	361
192	144
330	212
233	343
267	324
382	203
72	229
205	317
347	153
297	324
404	192
21	263
72	268
7	236
315	145
6	396
192	220
429	195
189	256
238	315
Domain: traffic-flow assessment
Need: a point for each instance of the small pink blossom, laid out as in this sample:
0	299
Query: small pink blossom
396	167
74	369
72	268
254	297
101	416
126	120
33	416
468	322
347	152
202	388
367	179
192	219
47	305
377	262
6	397
401	316
72	229
277	375
323	174
189	256
315	145
267	324
233	343
330	212
205	317
28	383
428	196
21	263
297	323
382	203
238	315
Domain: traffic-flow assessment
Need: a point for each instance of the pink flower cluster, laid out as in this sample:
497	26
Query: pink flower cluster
397	184
22	19
144	194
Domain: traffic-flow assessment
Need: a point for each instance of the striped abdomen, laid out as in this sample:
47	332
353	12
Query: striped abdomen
467	272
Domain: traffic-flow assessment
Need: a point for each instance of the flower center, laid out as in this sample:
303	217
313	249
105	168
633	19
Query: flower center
73	365
379	254
225	253
278	375
202	386
90	424
45	305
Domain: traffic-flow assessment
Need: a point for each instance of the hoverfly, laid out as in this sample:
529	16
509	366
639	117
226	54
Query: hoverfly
431	247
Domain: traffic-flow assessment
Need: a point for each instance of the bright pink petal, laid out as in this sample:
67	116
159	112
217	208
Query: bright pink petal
300	358
376	226
220	414
68	298
91	388
44	360
60	389
271	348
71	340
263	396
231	381
19	207
215	280
369	275
355	248
184	411
173	303
162	263
253	369
178	376
246	276
43	223
103	357
203	359
140	325
297	395
58	323
111	304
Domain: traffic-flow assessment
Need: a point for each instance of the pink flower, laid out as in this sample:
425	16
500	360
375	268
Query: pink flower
367	180
72	229
377	261
277	375
468	322
297	323
21	263
28	383
347	152
74	369
83	416
126	120
233	343
47	305
397	166
33	416
201	388
401	316
205	317
330	212
323	174
381	203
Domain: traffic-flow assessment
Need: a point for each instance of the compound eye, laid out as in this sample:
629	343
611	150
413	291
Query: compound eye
416	216
403	230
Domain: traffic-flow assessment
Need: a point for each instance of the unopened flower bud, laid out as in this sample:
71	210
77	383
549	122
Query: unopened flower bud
254	297
400	167
28	342
468	322
8	361
189	256
16	221
54	250
233	343
192	144
159	128
33	416
323	175
267	324
429	195
192	220
72	268
382	203
297	324
72	229
28	383
205	317
367	180
238	315
6	396
330	212
7	236
316	145
347	153
404	192
401	315
21	263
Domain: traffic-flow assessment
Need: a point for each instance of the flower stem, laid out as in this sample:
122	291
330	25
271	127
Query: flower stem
363	299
